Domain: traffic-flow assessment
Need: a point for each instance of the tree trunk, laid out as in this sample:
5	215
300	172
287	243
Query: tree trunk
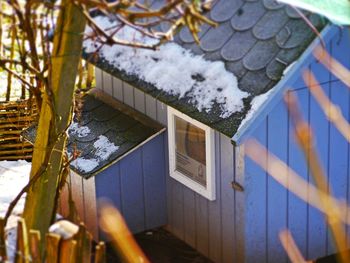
55	116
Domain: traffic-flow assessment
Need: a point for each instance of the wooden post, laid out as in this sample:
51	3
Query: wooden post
100	253
68	251
34	246
83	239
52	247
22	246
3	256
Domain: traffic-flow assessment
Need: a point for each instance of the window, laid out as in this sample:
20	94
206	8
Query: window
191	153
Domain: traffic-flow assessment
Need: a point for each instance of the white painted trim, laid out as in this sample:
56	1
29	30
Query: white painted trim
240	221
209	190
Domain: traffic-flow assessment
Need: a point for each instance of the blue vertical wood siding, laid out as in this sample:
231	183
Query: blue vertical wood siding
269	207
136	186
277	199
255	205
133	201
108	185
153	156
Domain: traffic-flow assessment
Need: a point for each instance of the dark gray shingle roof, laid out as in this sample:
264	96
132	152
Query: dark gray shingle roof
121	125
256	39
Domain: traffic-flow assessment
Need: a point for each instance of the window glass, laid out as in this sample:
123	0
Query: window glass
190	151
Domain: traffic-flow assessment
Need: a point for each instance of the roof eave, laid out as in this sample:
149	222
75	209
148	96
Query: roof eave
277	93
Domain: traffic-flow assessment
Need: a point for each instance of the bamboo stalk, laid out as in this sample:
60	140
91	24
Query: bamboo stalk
56	109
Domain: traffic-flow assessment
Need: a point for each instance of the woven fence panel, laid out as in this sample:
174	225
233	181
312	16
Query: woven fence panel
15	116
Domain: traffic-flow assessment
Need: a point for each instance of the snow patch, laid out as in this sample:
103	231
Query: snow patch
255	105
172	69
287	69
85	165
80	131
103	150
14	176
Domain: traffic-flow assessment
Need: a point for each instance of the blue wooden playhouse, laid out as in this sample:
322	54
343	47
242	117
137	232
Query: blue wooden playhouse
194	179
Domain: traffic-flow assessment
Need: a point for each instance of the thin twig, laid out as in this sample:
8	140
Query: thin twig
290	247
332	112
336	68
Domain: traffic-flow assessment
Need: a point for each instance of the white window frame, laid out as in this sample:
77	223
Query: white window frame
208	191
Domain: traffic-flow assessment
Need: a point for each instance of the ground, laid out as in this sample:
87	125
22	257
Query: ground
13	177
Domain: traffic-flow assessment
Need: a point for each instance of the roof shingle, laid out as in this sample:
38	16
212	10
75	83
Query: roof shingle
123	131
256	39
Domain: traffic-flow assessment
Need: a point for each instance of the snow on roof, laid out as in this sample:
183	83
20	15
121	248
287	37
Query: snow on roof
255	105
172	69
103	150
80	131
85	165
